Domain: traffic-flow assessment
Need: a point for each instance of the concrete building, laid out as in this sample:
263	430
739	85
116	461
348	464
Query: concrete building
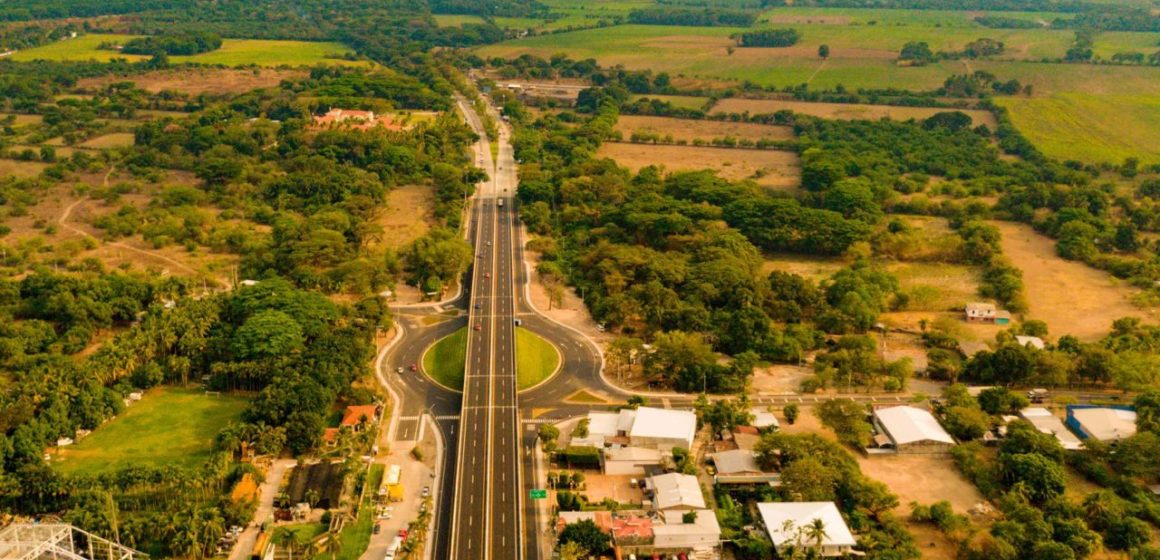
1101	423
675	491
977	312
787	524
911	430
1048	423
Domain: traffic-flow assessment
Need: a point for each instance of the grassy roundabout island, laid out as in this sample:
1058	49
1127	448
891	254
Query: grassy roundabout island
446	360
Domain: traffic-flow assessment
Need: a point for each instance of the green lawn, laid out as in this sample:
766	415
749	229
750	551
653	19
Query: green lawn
233	52
169	427
536	359
446	360
1090	128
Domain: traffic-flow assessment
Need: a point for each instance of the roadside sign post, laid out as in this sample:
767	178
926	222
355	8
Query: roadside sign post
538	493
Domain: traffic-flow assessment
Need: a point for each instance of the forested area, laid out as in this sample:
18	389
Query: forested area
705	17
770	38
296	349
173	44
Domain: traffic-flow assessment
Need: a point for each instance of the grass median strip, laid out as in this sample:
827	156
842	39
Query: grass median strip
536	359
446	360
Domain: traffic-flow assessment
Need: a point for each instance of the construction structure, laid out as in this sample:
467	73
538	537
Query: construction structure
59	541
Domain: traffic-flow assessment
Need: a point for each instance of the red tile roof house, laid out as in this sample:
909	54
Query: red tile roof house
357	416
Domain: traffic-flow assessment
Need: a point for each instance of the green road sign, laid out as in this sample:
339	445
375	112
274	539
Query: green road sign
538	493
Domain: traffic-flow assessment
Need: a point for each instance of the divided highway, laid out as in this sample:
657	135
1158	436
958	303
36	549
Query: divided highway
486	521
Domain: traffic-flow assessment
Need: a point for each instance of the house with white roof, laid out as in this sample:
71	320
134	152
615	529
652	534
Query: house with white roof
675	491
788	525
1101	423
703	533
763	419
1048	423
907	429
662	428
1033	341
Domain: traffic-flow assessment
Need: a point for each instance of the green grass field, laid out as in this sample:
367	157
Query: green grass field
234	52
169	427
536	359
446	360
1090	128
456	20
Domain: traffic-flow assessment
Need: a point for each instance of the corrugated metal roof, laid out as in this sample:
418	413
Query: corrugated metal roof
906	424
775	515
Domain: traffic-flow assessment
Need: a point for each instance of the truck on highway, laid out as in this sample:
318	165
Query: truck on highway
500	203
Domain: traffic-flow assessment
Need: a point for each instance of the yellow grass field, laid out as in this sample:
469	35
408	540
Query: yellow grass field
778	169
114	140
844	111
196	81
409	215
234	52
689	130
1071	297
21	169
1088	127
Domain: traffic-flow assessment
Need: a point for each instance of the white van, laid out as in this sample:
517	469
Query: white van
393	548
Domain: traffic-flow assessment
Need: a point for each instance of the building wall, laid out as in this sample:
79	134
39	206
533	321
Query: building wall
925	448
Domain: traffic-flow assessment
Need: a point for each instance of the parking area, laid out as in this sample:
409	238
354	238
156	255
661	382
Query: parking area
415	476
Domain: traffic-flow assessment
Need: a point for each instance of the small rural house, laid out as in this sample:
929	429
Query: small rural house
356	416
1101	423
977	312
675	491
907	429
788	525
1032	341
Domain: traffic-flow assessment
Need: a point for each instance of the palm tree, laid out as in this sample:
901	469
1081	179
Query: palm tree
816	532
287	538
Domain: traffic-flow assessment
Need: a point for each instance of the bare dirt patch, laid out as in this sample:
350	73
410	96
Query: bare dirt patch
196	81
778	379
409	215
1070	296
844	111
767	167
922	478
689	129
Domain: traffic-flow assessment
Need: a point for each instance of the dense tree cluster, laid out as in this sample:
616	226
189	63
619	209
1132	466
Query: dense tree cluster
705	17
769	38
174	44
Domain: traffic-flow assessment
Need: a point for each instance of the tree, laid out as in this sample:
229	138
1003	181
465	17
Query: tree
1041	478
824	51
791	413
809	480
572	551
966	423
268	334
1148	411
815	532
586	534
